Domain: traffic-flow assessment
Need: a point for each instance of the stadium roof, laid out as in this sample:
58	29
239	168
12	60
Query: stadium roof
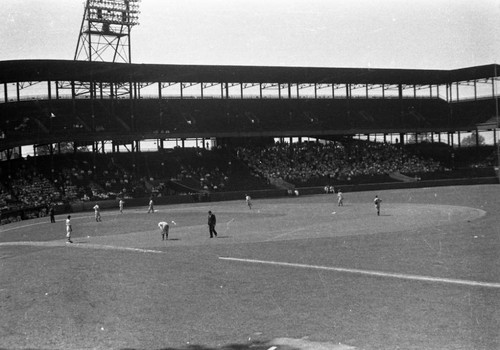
68	70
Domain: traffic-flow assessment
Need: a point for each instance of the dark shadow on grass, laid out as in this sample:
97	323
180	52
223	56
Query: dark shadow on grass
222	236
173	239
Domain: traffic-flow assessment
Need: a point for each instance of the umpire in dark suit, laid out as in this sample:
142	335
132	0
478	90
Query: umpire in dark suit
211	224
51	213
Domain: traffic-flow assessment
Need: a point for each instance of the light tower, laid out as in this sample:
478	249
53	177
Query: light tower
105	30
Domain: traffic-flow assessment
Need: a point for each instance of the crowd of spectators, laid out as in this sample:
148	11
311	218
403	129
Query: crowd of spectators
203	178
300	163
91	177
28	188
84	182
36	184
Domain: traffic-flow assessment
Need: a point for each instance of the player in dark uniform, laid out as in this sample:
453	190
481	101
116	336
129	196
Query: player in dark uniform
211	224
52	214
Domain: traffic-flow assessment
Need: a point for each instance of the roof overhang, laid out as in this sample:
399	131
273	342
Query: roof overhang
68	70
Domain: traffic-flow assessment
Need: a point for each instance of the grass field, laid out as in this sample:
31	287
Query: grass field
292	273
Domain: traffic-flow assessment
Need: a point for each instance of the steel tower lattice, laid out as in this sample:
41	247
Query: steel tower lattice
105	30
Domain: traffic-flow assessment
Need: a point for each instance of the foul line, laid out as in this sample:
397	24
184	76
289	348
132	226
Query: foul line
99	246
78	245
372	273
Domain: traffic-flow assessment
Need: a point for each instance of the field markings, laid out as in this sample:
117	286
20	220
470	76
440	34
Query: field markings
372	273
99	246
61	243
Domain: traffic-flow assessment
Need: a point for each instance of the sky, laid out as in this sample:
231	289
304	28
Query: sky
415	34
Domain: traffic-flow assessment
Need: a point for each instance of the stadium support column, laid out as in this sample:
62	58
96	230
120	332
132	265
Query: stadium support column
477	144
495	97
73	105
131	99
92	110
400	98
49	91
160	111
348	96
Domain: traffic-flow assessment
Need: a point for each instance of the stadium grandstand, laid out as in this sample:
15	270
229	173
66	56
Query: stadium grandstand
75	131
100	127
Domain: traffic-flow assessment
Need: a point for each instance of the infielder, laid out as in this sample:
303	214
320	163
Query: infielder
377	202
163	225
69	229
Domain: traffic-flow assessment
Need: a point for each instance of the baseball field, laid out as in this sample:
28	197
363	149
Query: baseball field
290	273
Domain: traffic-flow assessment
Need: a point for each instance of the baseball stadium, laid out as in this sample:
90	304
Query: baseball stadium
354	208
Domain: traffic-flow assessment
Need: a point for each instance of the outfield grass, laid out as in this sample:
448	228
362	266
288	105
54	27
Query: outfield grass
119	286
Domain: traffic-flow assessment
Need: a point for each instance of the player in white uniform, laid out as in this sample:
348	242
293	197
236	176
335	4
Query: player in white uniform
151	208
248	199
377	202
163	225
120	204
97	212
340	199
69	229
